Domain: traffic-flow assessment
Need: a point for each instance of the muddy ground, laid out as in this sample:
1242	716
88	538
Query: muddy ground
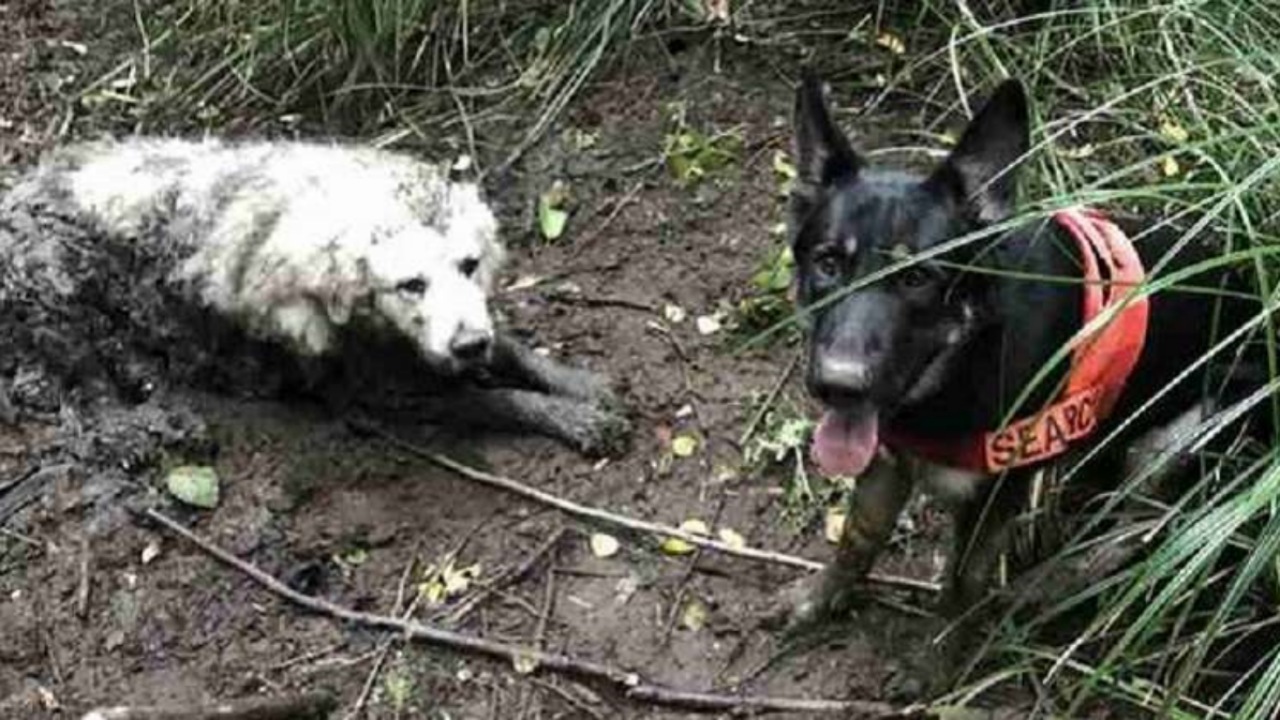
90	615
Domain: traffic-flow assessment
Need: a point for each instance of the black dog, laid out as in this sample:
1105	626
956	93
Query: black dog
924	359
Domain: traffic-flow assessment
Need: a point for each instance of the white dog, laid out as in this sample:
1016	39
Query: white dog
298	245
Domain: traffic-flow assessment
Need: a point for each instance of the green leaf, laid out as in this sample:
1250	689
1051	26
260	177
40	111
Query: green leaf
552	217
684	446
551	221
195	485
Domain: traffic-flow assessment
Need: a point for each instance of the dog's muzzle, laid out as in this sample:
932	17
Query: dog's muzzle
471	346
838	381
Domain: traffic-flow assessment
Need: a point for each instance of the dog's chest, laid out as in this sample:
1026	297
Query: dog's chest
948	484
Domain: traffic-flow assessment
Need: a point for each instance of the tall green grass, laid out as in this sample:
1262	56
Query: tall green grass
1170	109
391	70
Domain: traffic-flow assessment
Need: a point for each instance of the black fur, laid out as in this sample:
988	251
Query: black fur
943	348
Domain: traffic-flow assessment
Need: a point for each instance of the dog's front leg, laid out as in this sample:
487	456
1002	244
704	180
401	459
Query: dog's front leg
876	502
517	364
982	530
588	428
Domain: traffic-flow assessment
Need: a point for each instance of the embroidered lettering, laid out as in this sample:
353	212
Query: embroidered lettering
1043	435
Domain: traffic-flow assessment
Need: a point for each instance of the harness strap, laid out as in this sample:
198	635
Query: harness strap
1101	362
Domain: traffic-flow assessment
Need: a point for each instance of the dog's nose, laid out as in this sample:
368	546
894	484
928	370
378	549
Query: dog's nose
839	378
471	345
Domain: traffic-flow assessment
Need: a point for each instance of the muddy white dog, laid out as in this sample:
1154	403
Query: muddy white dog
116	256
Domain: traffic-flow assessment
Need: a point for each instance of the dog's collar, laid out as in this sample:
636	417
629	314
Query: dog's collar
1100	363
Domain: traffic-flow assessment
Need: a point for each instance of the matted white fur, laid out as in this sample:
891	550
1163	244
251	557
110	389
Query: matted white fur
294	239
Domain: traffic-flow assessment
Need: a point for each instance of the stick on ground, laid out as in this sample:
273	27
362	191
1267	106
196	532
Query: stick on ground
629	684
604	516
311	706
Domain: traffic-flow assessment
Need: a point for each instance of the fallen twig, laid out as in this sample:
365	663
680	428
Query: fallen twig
769	400
683	586
306	657
85	584
629	684
601	301
29	488
311	706
385	650
573	508
569	697
618	207
456	615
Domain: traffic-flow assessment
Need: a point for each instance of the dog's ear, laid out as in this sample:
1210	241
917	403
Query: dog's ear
823	154
980	170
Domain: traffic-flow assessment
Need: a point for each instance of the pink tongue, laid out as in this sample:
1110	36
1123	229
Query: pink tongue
843	445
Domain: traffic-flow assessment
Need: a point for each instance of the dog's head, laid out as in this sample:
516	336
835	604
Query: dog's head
432	283
892	342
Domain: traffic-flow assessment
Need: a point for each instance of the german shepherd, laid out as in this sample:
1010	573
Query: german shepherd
941	349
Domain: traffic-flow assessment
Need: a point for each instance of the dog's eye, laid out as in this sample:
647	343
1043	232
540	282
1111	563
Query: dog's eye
413	286
914	276
828	264
468	266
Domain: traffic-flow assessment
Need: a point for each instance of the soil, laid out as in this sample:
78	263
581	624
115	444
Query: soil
98	609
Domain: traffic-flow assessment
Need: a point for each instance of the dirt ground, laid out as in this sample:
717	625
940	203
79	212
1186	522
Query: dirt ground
95	608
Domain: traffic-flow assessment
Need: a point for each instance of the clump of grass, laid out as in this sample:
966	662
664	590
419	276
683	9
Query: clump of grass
394	69
769	302
692	155
1172	110
781	444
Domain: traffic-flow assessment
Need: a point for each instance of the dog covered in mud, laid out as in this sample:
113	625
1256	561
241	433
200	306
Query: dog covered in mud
925	353
270	267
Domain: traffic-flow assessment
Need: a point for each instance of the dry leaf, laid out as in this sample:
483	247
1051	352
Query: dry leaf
1172	131
524	663
1077	153
441	583
833	525
603	546
718	11
676	546
694	616
694	526
625	588
524	282
891	42
150	552
708	324
731	538
684	445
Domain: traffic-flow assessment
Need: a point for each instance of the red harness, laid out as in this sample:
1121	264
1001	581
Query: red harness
1100	363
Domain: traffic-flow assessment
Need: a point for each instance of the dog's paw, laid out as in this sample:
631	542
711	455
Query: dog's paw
906	683
922	675
593	430
588	387
810	601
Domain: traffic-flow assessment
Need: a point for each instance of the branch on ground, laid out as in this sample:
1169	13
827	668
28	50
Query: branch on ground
583	511
629	684
311	706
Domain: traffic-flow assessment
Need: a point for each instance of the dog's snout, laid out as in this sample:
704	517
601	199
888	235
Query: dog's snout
471	345
836	379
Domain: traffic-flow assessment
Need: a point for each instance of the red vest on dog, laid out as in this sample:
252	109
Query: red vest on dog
1100	363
